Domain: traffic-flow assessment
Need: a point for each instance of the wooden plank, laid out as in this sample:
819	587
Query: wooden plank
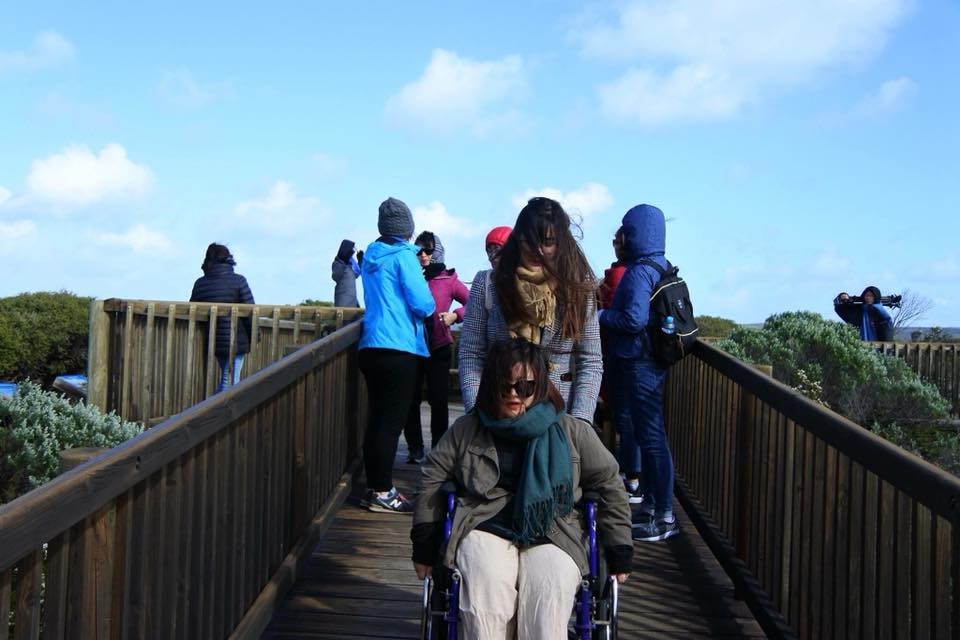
27	612
147	374
275	336
126	366
855	588
172	565
212	370
841	549
886	552
121	544
5	593
828	593
168	389
296	325
902	604
189	379
922	578
256	358
870	569
98	357
943	564
55	588
200	545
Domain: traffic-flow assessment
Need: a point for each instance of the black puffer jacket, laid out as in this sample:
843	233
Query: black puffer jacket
220	284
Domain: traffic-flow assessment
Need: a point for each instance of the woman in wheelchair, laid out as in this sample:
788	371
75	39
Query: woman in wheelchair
520	464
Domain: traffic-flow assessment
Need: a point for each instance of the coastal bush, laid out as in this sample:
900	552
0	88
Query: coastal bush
829	363
715	326
42	335
35	425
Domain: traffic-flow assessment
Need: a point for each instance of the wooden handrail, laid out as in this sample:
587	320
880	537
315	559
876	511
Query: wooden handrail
827	529
177	531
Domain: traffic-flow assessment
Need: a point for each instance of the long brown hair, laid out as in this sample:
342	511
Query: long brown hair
498	367
575	281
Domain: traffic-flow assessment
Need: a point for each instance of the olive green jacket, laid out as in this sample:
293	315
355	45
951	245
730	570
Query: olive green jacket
466	455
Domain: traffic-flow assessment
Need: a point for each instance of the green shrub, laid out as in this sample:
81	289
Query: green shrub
35	425
828	362
310	302
42	335
715	326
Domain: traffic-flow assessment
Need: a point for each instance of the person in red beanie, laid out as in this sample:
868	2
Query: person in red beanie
495	241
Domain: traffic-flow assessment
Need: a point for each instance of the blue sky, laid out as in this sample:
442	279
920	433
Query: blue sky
798	149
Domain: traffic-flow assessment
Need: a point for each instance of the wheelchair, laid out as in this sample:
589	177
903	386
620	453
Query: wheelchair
594	613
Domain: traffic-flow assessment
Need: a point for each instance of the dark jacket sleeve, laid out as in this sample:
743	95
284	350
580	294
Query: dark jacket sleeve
848	312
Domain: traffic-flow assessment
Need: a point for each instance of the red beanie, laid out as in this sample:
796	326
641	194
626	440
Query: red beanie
498	236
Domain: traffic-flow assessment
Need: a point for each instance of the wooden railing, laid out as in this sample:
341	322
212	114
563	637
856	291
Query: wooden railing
151	359
828	530
193	528
936	362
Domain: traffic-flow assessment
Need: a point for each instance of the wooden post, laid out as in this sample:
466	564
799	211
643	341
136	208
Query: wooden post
98	357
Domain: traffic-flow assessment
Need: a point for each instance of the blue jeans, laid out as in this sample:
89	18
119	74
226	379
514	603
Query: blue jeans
224	380
640	383
628	453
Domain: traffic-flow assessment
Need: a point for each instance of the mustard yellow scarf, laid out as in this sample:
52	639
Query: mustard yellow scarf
539	302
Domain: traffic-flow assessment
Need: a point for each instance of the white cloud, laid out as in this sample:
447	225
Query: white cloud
4	195
180	88
891	96
15	231
49	49
706	59
282	210
78	177
137	238
688	93
455	93
831	263
588	201
435	217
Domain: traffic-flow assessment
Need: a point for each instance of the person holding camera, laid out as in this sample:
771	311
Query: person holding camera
866	313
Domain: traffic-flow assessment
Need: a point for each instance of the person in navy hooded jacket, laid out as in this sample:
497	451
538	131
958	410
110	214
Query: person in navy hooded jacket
397	300
873	321
636	379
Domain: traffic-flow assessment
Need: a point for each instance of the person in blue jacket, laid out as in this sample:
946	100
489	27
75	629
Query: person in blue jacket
870	317
397	300
636	378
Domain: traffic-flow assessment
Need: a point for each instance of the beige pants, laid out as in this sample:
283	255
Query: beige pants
508	593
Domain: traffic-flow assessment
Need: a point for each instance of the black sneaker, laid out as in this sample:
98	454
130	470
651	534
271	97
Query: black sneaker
393	502
415	457
652	530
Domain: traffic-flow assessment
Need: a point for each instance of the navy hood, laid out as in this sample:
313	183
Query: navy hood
644	232
345	251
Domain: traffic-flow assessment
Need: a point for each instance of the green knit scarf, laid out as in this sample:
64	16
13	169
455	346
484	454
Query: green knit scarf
545	489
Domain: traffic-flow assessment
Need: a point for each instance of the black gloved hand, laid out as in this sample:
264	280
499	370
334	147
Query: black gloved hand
360	257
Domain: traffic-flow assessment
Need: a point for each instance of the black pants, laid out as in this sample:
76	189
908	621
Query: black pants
390	377
436	370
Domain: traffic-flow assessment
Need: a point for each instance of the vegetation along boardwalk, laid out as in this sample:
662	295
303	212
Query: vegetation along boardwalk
359	582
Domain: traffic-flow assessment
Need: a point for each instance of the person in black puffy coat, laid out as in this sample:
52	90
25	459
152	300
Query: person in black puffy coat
219	283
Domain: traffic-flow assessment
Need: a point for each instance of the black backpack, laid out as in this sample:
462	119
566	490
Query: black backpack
670	298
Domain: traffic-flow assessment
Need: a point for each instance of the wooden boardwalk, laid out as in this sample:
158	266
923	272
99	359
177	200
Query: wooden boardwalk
359	582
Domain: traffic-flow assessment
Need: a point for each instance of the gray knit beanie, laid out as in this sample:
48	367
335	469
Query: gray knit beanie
395	219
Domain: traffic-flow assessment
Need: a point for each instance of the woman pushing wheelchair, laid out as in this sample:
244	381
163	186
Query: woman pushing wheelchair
520	464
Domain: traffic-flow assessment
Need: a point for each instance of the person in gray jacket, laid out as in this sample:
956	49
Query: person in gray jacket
520	465
345	271
544	291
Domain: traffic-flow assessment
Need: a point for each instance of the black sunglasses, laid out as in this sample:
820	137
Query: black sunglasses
523	388
425	251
